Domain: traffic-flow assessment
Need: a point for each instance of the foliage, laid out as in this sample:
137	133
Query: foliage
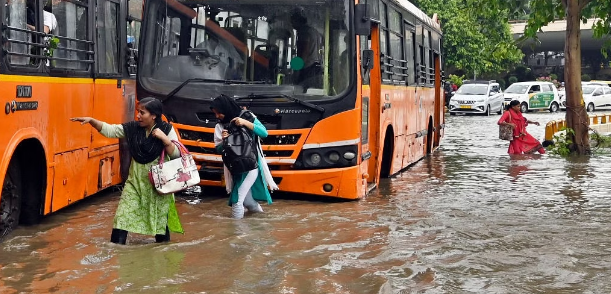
456	80
600	141
52	43
523	73
586	77
475	40
549	79
562	142
512	79
553	76
502	84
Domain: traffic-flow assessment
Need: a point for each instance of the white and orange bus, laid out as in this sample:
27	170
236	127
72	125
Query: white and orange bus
348	92
79	65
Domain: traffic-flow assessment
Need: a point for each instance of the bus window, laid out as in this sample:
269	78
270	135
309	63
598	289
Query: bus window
426	53
399	65
75	50
134	22
365	45
259	43
21	20
108	37
410	44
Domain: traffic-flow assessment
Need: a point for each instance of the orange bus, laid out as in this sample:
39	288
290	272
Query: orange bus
348	92
61	59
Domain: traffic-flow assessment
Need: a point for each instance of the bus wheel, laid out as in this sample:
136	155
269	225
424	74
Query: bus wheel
10	204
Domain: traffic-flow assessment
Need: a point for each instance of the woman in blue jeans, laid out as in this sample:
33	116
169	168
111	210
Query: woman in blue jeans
246	188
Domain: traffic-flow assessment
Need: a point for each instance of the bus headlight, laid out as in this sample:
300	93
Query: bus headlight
349	155
327	157
315	159
334	156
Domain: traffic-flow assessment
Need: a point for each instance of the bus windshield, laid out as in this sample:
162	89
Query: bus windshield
298	48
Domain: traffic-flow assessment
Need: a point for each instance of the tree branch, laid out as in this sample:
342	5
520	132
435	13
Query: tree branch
582	3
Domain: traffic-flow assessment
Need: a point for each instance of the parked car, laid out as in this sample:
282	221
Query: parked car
477	97
595	97
534	96
597	83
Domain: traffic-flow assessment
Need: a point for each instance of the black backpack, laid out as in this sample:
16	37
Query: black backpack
240	148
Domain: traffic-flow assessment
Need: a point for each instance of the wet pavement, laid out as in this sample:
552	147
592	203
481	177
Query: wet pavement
467	219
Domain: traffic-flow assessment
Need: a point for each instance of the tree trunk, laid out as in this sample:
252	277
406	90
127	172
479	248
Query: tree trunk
576	115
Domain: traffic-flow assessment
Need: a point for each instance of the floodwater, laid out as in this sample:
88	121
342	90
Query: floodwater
467	219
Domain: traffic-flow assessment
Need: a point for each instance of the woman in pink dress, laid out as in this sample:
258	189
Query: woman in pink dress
523	142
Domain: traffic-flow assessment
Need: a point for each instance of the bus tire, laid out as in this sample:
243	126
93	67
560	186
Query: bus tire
429	137
387	153
10	204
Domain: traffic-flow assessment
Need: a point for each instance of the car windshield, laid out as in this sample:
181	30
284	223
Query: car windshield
517	89
472	89
588	90
293	47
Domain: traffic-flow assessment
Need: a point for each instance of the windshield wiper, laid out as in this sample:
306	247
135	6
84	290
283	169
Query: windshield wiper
296	100
198	80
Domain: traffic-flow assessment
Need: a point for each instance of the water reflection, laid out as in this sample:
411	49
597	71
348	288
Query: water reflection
468	219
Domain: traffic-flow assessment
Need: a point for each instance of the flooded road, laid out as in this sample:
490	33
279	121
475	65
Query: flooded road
467	219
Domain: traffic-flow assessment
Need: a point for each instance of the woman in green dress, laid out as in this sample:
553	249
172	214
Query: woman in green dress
141	208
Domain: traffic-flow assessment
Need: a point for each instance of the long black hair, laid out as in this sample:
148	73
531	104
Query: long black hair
512	104
154	106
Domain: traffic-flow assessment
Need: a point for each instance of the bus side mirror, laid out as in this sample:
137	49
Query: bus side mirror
367	59
362	21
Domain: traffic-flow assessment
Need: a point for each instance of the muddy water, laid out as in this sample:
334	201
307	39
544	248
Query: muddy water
466	220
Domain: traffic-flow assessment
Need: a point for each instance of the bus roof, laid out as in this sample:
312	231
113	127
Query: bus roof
419	14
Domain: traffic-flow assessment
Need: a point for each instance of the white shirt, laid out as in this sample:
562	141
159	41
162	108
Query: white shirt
49	21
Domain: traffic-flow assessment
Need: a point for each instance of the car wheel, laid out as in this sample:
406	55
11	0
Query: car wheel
524	107
554	107
452	113
487	111
590	107
501	109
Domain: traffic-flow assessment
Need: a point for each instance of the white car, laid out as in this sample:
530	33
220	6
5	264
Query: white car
534	95
594	97
478	97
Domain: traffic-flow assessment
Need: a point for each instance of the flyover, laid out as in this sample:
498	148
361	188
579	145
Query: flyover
552	37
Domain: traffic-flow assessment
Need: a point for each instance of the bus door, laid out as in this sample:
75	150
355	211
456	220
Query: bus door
371	106
110	37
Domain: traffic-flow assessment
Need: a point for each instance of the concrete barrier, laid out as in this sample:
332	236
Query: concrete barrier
600	123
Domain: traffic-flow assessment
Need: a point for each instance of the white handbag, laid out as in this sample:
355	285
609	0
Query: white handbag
174	175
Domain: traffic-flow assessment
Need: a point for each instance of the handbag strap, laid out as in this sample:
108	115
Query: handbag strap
181	148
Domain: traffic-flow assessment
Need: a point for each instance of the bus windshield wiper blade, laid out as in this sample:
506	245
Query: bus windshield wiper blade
296	100
198	80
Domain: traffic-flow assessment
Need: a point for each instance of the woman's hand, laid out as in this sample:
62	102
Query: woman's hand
513	126
82	120
159	134
240	122
535	123
225	134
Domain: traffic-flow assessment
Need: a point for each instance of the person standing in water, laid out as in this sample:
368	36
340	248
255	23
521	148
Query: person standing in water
141	208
